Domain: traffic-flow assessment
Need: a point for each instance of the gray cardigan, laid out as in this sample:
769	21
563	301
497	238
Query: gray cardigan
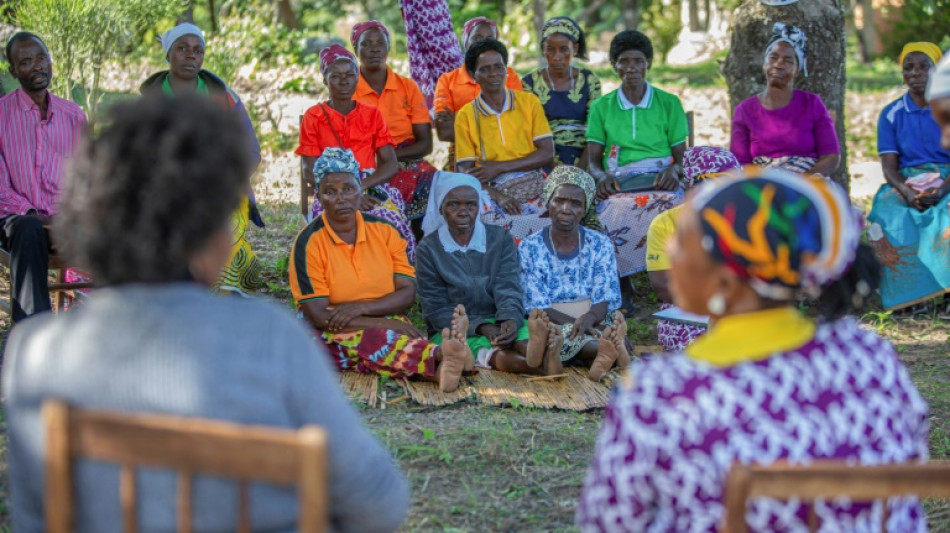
177	349
487	284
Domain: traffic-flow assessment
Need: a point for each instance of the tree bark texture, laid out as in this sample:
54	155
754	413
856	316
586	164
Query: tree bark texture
631	13
823	24
285	12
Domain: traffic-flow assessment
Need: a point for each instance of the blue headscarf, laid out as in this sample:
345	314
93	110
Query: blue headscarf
335	160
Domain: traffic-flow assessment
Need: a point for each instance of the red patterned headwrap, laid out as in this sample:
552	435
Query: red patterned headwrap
362	27
332	54
469	27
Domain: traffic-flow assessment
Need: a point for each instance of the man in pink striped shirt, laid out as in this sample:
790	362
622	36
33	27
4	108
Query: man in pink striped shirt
39	133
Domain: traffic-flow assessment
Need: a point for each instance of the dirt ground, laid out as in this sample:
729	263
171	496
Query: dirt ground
476	468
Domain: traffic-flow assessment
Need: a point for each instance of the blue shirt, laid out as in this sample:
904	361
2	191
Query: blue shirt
911	133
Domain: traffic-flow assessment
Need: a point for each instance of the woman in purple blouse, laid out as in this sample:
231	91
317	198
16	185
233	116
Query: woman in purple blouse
782	126
765	383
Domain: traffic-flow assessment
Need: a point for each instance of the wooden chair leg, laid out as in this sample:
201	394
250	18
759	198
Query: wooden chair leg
58	299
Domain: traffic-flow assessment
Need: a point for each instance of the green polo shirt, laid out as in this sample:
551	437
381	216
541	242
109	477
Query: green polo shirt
648	129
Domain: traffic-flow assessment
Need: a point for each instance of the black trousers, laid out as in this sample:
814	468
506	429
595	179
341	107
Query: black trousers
29	245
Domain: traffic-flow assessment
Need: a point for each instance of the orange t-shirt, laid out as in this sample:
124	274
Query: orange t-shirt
401	104
362	130
324	266
456	88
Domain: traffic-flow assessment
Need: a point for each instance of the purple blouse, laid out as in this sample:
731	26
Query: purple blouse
803	128
669	438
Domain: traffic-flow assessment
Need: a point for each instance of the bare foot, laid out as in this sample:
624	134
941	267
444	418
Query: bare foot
537	338
460	324
552	357
459	332
619	339
450	368
606	355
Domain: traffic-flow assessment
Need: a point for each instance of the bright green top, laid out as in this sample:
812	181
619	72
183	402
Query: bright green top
201	89
648	129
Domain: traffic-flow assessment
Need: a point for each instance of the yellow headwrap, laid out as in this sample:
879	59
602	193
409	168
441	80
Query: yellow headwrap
928	49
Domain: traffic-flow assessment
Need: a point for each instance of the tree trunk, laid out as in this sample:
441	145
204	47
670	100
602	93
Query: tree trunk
214	16
707	14
285	12
868	31
631	13
540	14
188	15
590	17
823	24
694	24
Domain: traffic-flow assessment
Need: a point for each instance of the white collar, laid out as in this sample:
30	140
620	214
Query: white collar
478	242
644	102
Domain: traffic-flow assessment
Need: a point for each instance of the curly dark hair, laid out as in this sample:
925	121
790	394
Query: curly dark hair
630	40
152	188
479	48
19	37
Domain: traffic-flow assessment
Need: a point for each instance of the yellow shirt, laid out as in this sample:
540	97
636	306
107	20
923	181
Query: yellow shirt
661	231
507	135
324	266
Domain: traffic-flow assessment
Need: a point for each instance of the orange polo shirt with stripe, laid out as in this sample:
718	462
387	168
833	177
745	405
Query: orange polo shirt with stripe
362	130
324	266
456	88
401	104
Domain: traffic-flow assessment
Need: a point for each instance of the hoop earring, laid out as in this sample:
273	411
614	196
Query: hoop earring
716	305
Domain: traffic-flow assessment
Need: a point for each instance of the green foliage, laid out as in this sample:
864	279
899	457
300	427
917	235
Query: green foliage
662	23
919	20
82	35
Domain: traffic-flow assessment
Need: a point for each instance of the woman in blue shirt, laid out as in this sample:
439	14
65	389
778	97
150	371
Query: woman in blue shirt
909	214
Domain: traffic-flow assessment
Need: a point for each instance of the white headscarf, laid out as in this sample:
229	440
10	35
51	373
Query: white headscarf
939	85
442	183
179	31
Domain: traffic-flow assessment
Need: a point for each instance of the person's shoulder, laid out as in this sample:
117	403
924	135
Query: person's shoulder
809	99
526	98
379	225
664	223
531	241
366	110
429	244
597	238
467	110
675	374
891	110
606	100
68	106
497	233
313	228
665	98
749	103
315	112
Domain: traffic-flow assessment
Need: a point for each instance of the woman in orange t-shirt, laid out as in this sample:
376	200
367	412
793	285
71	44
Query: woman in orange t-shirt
342	122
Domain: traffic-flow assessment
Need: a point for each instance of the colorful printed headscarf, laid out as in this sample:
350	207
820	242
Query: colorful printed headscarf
563	25
702	162
363	27
335	160
794	36
469	27
928	49
939	84
332	54
568	175
781	232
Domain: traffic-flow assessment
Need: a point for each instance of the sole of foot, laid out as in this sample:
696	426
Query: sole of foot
537	338
606	356
459	332
619	339
449	371
551	364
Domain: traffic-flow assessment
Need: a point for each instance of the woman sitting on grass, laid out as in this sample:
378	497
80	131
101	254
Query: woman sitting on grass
464	267
351	279
569	278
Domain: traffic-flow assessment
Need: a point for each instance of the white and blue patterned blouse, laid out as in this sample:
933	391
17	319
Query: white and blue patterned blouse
548	277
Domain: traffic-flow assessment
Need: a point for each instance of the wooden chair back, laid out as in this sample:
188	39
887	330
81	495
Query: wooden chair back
58	288
190	446
690	125
306	184
827	480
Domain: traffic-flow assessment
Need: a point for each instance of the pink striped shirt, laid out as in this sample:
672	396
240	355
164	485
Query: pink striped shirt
33	152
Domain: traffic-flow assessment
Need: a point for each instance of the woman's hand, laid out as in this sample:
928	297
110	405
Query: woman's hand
341	315
507	333
368	202
584	325
508	204
606	187
669	178
402	328
487	170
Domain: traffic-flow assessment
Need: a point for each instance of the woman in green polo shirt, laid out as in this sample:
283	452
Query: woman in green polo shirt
636	137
